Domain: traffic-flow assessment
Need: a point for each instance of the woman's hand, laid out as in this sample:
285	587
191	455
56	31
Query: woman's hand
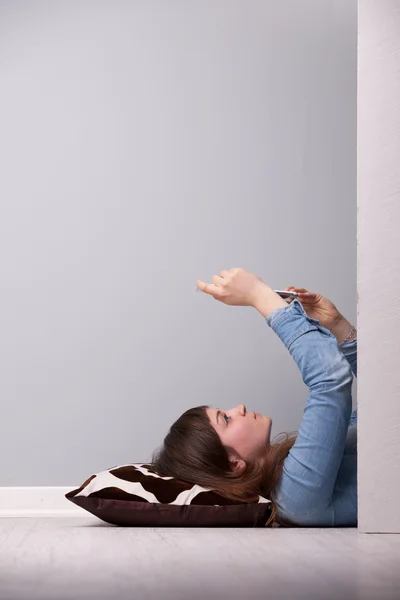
316	306
236	287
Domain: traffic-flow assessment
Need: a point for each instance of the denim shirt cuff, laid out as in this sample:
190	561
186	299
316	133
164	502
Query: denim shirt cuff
290	322
350	344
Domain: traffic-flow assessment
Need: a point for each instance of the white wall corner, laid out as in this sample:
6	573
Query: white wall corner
378	265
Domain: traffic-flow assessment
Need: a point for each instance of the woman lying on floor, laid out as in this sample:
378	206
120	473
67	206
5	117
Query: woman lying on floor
310	478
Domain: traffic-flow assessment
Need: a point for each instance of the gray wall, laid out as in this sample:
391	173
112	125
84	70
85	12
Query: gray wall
145	145
378	265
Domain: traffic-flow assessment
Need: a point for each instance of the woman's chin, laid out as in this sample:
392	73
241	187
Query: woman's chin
268	425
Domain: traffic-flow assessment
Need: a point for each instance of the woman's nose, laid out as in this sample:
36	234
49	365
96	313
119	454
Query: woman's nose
242	409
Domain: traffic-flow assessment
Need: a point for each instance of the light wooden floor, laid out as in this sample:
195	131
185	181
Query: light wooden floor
69	558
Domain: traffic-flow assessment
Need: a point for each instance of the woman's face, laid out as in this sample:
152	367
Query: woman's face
248	433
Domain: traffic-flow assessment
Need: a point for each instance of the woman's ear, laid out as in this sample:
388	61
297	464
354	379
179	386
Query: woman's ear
237	464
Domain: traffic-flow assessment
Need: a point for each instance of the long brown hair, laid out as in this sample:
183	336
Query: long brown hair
193	452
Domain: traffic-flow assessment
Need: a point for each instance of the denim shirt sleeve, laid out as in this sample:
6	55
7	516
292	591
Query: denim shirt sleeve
349	349
311	467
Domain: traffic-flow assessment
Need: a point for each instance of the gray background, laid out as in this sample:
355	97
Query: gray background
145	145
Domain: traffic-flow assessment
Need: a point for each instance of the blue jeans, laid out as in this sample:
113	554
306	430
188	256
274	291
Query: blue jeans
318	485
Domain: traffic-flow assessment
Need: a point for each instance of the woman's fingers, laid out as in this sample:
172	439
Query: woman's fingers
290	288
301	291
217	280
207	288
303	294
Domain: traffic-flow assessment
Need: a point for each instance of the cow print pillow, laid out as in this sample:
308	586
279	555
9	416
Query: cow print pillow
134	495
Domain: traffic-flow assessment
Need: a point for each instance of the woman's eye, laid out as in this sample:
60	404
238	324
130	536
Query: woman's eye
227	419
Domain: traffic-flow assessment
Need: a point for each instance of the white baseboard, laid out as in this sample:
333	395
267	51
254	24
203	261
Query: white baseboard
46	501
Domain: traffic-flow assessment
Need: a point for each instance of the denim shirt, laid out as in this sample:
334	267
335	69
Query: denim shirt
318	485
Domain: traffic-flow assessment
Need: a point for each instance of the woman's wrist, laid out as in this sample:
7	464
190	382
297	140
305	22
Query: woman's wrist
266	300
341	328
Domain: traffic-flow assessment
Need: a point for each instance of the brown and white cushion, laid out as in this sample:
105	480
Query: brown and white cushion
135	495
